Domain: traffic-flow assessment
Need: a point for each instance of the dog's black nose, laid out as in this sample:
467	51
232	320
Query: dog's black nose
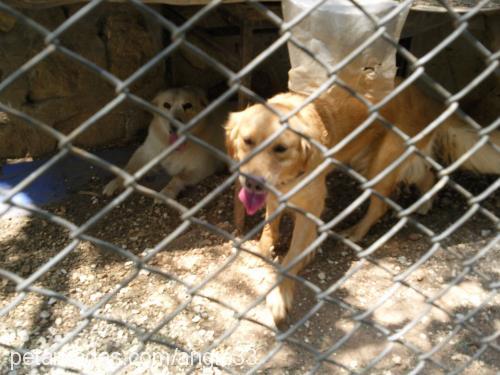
254	184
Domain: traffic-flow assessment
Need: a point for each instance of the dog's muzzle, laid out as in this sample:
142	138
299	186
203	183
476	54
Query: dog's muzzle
253	194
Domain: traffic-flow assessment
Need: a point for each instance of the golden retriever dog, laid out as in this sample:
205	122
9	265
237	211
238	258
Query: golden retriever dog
190	162
290	158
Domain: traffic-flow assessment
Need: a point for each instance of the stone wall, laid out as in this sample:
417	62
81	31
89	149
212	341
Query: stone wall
63	93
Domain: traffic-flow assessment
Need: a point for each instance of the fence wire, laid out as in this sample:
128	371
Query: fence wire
324	358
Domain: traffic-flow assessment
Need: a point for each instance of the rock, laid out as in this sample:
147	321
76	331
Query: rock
7	22
205	243
485	232
403	260
415	236
23	335
396	359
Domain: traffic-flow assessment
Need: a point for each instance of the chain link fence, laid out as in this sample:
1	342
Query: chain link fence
417	295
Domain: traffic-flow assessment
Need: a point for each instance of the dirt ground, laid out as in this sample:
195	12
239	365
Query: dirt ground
421	323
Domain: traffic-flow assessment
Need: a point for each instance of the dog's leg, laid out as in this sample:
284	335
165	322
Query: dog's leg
424	185
270	233
180	181
138	159
174	187
186	178
389	150
375	211
280	299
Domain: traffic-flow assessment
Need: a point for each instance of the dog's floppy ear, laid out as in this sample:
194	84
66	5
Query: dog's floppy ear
232	130
202	96
310	154
159	98
156	100
203	99
200	93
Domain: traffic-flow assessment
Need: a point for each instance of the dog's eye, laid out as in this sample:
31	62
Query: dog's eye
187	106
248	141
167	105
279	149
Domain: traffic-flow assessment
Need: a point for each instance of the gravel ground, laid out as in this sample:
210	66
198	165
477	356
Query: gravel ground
89	272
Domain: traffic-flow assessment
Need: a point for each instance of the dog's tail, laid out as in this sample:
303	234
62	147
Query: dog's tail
456	138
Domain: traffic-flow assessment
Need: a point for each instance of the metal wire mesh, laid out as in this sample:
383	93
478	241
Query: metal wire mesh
483	337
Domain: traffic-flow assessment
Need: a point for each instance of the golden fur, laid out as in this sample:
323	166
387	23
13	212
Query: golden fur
190	162
328	120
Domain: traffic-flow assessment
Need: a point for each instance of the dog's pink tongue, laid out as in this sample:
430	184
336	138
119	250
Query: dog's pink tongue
252	201
173	138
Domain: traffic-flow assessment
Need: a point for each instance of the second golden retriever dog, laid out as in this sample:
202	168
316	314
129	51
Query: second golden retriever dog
290	158
190	162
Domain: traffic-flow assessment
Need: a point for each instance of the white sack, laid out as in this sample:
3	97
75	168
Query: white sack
334	30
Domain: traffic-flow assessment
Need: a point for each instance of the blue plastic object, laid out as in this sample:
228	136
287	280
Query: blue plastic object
65	177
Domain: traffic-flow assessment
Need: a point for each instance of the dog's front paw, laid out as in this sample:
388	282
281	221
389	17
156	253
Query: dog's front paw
352	234
167	191
250	260
347	234
111	187
279	301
